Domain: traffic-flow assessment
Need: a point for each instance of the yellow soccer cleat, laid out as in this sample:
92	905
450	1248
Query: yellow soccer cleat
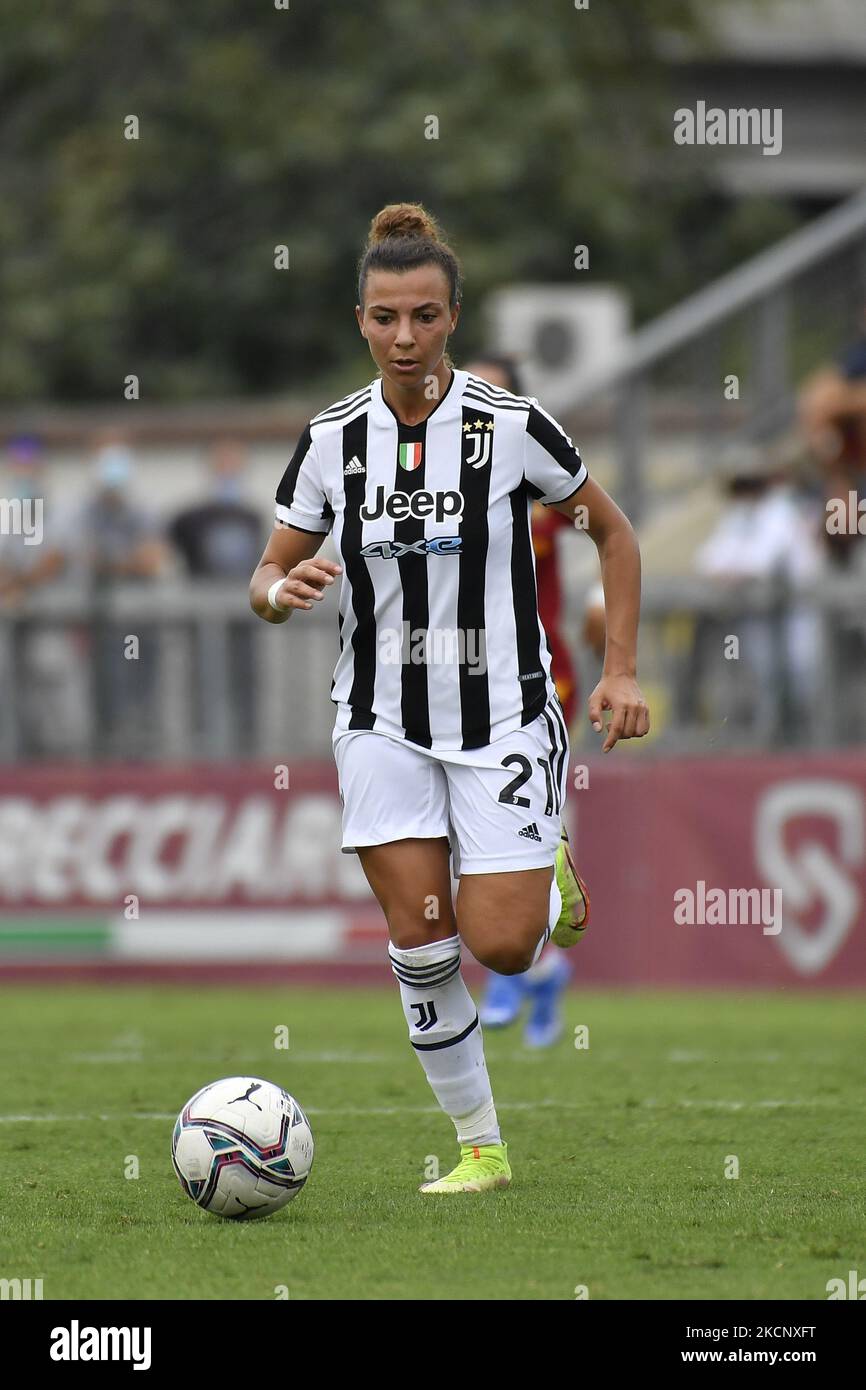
574	917
481	1169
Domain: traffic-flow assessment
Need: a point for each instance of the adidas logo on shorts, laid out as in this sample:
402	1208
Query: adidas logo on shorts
354	466
530	832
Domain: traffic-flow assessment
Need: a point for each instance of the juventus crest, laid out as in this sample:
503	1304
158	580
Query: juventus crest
478	435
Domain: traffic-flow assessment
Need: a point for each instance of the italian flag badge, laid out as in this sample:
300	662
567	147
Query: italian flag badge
409	455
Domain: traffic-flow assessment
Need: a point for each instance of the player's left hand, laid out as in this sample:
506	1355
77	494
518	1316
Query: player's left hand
629	713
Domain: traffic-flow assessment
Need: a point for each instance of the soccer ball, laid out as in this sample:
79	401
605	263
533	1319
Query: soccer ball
242	1147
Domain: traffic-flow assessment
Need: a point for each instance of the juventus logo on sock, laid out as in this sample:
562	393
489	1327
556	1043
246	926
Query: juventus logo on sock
426	1015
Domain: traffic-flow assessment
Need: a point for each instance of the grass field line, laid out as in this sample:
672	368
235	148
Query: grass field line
683	1055
100	1058
238	1058
530	1056
362	1111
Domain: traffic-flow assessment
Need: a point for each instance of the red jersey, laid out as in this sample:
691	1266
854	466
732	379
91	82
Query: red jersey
545	524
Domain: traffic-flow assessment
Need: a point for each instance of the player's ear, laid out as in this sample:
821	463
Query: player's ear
360	317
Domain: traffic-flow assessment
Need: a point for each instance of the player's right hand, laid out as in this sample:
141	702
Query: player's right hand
306	583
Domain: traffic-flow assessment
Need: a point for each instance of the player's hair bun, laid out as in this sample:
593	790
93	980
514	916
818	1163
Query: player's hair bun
403	220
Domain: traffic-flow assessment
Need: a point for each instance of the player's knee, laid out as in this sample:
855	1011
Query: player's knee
507	957
407	930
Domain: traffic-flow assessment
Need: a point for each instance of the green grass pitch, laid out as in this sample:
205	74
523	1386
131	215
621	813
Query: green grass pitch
619	1150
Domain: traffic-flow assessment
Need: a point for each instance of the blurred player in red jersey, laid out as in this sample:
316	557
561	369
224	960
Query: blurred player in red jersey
546	525
544	983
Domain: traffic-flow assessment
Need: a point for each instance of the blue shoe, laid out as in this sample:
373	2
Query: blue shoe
545	1025
502	1001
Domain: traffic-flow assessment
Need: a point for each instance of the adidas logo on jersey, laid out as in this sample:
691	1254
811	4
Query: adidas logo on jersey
354	466
530	832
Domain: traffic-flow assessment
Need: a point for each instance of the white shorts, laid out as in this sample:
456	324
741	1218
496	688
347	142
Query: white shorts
499	806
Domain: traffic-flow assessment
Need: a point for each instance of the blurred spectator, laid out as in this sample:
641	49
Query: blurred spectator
116	541
223	538
44	687
26	560
764	533
832	412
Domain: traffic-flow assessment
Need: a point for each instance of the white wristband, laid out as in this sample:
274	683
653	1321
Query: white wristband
272	595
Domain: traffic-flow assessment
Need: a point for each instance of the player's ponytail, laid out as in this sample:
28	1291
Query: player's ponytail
403	236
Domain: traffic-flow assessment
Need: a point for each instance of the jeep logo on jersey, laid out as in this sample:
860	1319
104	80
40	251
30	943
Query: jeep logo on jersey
442	506
393	550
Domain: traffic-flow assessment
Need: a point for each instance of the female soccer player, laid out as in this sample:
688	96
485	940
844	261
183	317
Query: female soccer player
448	736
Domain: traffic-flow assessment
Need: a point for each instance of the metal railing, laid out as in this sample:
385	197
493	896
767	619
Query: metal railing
767	323
164	672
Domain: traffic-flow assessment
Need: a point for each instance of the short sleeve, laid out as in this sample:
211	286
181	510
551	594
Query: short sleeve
301	501
552	467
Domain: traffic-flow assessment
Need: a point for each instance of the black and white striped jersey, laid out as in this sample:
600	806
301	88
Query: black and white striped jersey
440	639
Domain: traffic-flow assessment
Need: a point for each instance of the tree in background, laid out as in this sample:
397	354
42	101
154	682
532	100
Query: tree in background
261	127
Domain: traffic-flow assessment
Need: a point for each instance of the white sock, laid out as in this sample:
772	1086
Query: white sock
552	918
446	1035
